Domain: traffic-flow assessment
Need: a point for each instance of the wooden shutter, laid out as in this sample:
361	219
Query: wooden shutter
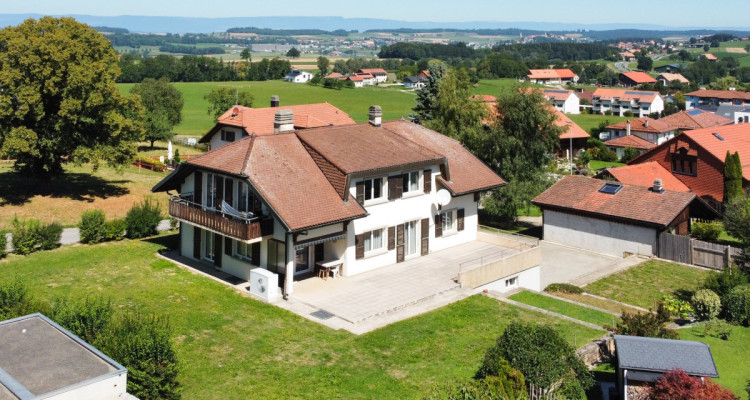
255	253
228	195
425	232
219	191
361	192
196	243
395	187
198	188
427	181
359	246
400	243
217	249
228	246
438	225
391	237
460	219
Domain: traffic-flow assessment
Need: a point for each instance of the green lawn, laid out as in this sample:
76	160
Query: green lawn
645	284
588	121
563	307
729	356
233	347
493	87
596	165
195	119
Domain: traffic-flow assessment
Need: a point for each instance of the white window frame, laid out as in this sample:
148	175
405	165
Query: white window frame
209	238
371	191
369	242
408	190
453	227
210	191
247	255
511	282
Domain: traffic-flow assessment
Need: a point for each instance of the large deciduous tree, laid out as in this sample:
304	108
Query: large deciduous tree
221	99
323	64
293	53
452	111
58	99
162	104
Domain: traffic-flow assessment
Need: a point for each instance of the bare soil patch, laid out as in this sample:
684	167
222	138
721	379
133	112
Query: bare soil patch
738	50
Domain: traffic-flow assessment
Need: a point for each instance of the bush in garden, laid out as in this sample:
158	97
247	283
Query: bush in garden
3	244
737	305
48	236
564	288
142	219
677	384
676	307
706	304
115	229
646	324
25	236
14	299
92	226
708	231
723	282
85	318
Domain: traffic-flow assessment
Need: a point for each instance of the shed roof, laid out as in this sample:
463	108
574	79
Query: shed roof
644	175
630	141
661	355
644	124
639	77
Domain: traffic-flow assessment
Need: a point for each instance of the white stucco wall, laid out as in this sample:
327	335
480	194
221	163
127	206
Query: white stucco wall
110	388
597	235
216	141
572	105
528	279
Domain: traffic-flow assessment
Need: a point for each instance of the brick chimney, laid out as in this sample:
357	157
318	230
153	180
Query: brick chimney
283	121
376	115
627	131
274	101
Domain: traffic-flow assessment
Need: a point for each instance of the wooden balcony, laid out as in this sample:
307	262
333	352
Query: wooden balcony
238	229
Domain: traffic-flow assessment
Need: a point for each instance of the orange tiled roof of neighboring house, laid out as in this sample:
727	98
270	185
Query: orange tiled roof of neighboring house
634	204
695	119
626	95
550	73
639	77
672	77
720	94
644	175
484	98
573	130
565	73
644	124
627	54
374	71
333	75
718	140
709	57
557	94
357	78
424	73
630	141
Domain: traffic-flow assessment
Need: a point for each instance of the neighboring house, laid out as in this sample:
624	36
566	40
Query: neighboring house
627	56
667	78
652	130
643	175
380	74
551	76
239	122
424	73
298	76
563	100
695	119
619	145
613	218
334	75
573	136
704	97
640	103
697	158
361	196
710	57
674	68
367	79
415	82
734	114
643	360
359	80
635	78
39	359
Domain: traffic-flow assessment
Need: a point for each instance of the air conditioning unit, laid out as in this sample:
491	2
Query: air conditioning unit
264	284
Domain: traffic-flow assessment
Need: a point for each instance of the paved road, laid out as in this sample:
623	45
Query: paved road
622	66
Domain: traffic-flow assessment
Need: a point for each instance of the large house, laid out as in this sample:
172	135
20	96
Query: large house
655	131
702	98
697	158
239	122
551	76
380	74
618	101
563	100
298	76
695	119
635	78
667	78
357	197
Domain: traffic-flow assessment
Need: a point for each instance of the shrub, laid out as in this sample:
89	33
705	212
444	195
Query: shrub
48	236
25	236
708	231
563	287
723	282
148	163
706	304
92	226
3	244
737	305
646	324
489	388
717	328
677	384
115	229
628	154
676	307
584	158
14	299
142	219
628	114
87	318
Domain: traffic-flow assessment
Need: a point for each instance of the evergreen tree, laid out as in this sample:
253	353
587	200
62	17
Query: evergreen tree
427	96
453	112
732	177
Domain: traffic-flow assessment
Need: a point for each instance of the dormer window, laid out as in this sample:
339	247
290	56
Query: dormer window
373	188
227	136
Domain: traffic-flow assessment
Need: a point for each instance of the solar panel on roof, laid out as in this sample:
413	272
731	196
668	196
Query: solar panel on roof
694	112
555	91
611	188
636	93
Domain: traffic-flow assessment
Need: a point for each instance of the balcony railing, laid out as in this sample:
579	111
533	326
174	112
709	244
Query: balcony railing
183	208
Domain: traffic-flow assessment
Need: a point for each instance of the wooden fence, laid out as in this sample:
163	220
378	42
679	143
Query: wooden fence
693	251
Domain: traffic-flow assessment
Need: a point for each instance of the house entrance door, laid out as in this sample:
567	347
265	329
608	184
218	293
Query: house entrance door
410	238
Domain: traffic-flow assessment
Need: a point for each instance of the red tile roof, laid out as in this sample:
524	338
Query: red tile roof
644	175
630	141
672	77
709	56
733	138
633	204
626	95
639	77
720	94
573	130
374	71
557	94
333	75
644	124
695	119
259	121
550	74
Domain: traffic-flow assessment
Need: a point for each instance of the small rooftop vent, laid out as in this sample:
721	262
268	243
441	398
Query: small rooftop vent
718	136
611	188
658	186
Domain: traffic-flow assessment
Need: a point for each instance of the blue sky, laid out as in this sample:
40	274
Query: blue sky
685	13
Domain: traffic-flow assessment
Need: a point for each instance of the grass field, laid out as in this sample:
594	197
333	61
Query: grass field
588	121
64	198
596	165
645	284
729	356
233	347
562	307
596	302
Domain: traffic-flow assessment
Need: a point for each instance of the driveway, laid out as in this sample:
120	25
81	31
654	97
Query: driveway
564	264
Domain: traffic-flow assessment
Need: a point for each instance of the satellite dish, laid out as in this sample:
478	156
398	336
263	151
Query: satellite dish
235	111
443	197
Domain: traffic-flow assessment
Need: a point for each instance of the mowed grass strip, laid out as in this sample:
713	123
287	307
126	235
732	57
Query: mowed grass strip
588	121
233	347
596	302
645	284
729	356
585	314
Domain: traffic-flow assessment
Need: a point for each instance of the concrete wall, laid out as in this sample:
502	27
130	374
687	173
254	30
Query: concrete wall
110	388
506	267
529	279
598	235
